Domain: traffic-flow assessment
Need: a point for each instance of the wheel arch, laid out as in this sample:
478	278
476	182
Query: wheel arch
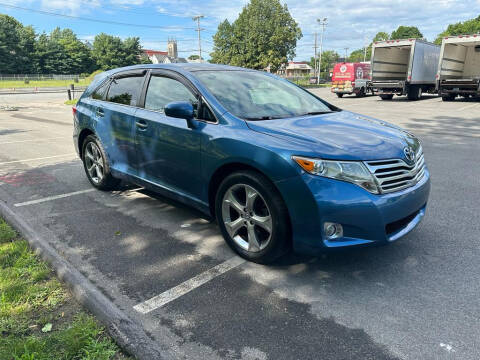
81	138
222	172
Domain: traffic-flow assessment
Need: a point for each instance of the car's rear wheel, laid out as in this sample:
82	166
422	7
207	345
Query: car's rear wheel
252	217
386	97
340	95
96	164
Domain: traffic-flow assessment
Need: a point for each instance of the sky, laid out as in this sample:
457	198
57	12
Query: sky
349	22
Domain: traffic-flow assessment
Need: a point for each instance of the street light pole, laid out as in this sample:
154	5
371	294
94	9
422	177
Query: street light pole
323	23
315	57
197	19
346	52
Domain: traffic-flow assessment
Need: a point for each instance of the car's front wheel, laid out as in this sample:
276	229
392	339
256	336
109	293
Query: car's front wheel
96	164
253	217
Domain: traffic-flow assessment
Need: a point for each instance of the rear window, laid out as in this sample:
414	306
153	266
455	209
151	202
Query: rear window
126	90
100	92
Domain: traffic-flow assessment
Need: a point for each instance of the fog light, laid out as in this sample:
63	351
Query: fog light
332	230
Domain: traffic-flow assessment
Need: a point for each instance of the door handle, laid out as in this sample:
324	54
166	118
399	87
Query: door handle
142	124
99	112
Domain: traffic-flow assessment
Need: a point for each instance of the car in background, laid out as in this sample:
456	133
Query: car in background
275	165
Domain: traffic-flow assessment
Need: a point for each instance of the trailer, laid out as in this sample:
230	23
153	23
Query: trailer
404	67
459	67
351	78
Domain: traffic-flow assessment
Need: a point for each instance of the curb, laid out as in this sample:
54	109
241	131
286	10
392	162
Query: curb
129	335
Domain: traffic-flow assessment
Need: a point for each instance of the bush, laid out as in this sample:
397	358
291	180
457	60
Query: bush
75	80
26	81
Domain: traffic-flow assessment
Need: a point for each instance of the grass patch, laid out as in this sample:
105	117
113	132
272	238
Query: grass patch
71	102
39	320
10	84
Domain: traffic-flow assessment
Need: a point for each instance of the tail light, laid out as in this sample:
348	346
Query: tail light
74	110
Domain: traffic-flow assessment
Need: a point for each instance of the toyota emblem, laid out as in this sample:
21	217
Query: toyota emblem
409	154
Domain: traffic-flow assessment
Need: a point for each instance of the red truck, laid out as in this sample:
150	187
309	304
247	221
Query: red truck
351	78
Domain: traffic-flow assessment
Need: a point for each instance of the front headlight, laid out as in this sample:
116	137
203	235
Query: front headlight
354	172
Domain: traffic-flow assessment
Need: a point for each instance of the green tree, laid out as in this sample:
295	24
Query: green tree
358	55
406	32
110	51
381	36
222	44
61	52
263	34
471	26
194	57
16	45
329	58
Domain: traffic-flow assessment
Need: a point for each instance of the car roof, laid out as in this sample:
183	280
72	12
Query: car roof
181	67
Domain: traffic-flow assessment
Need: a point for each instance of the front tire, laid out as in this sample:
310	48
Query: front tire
340	95
253	217
95	163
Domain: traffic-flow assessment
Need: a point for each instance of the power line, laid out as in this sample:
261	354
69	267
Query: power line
50	13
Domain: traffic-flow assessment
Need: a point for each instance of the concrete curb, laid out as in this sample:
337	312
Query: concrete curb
128	334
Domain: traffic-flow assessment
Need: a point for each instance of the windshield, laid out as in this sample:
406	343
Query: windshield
256	96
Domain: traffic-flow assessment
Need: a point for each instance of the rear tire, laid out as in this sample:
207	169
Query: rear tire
95	163
414	93
257	229
448	97
361	93
339	95
386	97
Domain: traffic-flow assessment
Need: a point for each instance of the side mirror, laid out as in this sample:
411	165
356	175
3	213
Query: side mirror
179	109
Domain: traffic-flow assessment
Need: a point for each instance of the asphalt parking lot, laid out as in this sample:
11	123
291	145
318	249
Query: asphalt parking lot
169	270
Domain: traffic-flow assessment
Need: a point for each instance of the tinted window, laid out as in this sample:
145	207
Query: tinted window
163	90
125	90
100	92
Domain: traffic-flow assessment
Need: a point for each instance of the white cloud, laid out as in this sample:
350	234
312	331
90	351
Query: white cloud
70	7
349	21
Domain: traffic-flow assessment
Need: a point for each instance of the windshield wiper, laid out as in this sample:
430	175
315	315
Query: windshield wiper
263	118
316	113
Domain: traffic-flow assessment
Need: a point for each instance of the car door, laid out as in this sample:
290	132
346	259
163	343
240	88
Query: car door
168	150
118	114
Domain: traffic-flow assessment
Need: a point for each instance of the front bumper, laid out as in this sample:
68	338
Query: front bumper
366	218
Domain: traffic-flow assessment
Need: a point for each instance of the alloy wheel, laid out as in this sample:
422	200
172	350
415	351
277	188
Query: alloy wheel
94	162
247	218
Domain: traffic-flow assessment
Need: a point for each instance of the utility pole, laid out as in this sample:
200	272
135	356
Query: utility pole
315	57
197	19
346	52
365	50
323	23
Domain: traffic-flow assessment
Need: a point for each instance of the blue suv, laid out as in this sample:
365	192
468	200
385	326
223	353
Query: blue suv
278	167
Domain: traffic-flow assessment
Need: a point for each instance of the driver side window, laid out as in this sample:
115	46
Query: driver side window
162	90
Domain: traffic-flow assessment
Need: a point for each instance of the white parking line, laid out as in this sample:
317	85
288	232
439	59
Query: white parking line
35	159
55	197
187	286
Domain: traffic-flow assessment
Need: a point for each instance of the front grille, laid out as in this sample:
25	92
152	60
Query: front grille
395	174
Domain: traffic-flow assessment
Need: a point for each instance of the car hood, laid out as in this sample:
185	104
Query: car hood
341	135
